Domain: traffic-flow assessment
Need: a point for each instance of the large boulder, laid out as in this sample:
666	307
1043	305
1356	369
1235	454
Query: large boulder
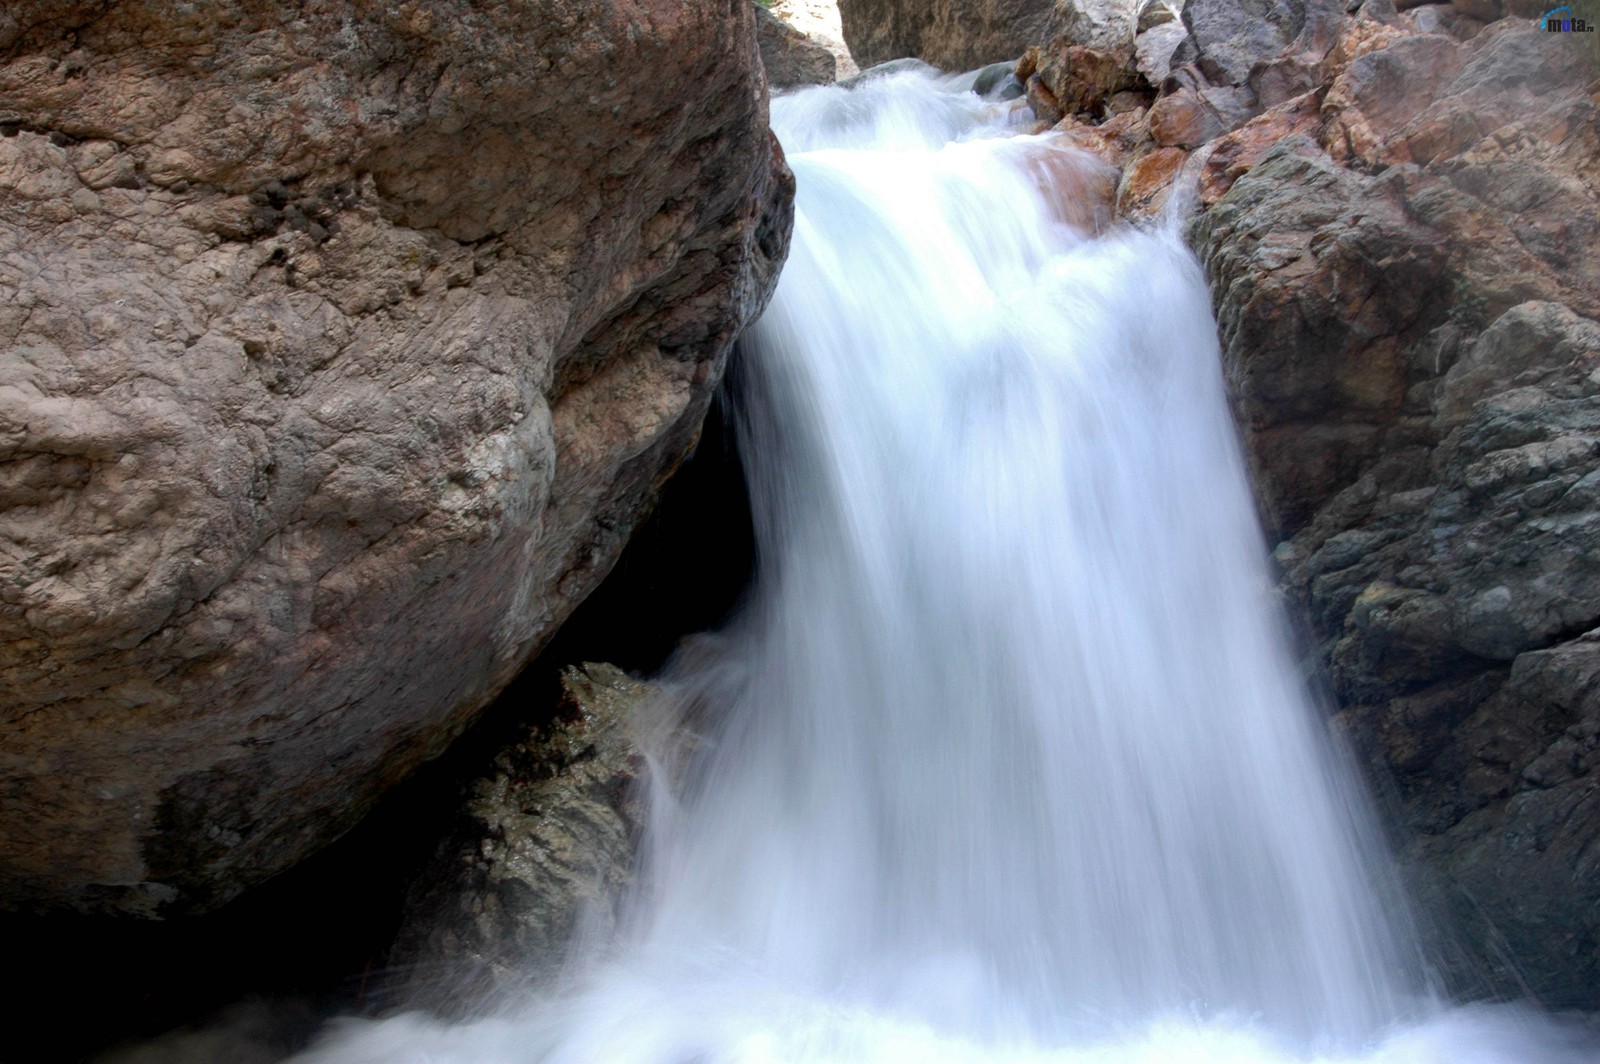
341	348
540	852
963	35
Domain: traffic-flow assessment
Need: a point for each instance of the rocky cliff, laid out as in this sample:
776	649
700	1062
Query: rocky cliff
341	346
1407	298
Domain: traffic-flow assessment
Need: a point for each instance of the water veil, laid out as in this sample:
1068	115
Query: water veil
1006	759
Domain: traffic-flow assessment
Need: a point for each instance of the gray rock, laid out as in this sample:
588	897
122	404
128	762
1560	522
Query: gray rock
542	848
1155	48
1153	13
1232	36
883	70
340	351
962	35
1104	25
998	80
1312	265
792	59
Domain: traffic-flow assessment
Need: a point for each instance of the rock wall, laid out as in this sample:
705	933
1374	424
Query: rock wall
341	347
963	35
1409	321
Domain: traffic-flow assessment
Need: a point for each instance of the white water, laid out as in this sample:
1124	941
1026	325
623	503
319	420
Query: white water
1007	760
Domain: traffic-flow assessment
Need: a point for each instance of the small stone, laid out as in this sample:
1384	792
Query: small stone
1156	13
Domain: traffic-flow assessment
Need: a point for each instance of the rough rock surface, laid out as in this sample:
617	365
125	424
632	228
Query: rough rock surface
1455	588
1229	38
542	848
340	348
1408	302
791	58
1073	79
819	20
966	34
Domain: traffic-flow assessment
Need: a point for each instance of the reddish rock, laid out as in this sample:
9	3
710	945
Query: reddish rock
1383	89
1147	181
1233	155
541	840
1081	185
1070	79
1190	117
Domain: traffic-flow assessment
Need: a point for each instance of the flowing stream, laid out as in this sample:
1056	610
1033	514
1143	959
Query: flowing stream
1006	759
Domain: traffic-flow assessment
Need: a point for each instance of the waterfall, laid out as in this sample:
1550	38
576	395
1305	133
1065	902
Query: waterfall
1007	758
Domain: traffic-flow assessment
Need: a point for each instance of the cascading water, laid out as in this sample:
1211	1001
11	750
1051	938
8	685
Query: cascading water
1007	759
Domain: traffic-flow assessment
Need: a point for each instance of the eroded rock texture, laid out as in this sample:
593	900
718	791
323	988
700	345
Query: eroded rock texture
963	35
341	345
541	852
1408	300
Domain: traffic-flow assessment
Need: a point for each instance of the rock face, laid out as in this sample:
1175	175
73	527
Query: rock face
1455	588
341	346
963	35
790	57
1409	319
543	843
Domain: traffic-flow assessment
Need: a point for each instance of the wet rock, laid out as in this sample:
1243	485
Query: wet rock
998	80
1317	272
791	59
1517	869
959	35
1069	79
1440	234
541	850
1395	211
1449	584
1190	117
1232	36
1147	181
340	351
1154	49
883	70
